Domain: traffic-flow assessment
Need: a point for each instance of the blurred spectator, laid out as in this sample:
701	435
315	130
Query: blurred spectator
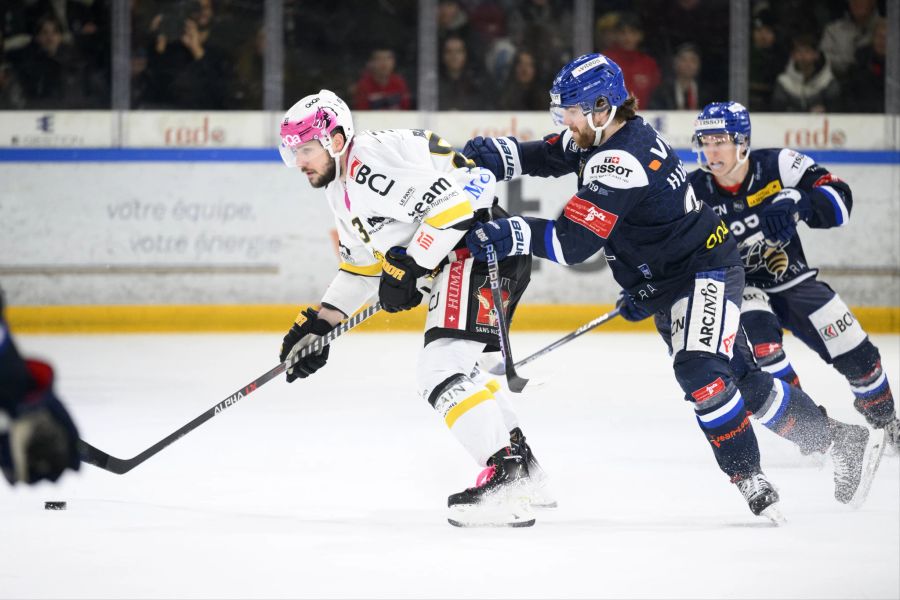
247	90
703	23
865	92
15	27
460	85
683	90
640	69
453	21
11	95
807	84
605	31
52	74
185	67
380	88
525	90
544	28
767	59
843	37
488	20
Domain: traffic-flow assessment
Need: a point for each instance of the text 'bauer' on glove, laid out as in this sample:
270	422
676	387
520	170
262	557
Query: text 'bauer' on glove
510	237
778	220
628	309
307	327
398	288
41	440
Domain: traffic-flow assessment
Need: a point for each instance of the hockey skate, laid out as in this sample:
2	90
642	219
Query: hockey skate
540	492
500	496
892	437
856	455
761	497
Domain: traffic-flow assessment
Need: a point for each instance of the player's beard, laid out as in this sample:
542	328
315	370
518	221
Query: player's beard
584	138
325	178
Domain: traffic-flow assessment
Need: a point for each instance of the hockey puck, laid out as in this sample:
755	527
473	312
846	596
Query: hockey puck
54	506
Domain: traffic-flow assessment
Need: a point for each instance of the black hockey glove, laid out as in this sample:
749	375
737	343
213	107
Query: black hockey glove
307	326
485	154
42	441
628	309
779	218
510	237
398	290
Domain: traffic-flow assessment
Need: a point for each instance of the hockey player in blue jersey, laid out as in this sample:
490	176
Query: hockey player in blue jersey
763	195
670	252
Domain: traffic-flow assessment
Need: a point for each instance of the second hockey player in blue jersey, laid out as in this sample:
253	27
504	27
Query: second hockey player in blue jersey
763	195
669	251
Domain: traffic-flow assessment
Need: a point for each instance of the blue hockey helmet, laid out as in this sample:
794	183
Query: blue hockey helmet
592	82
730	118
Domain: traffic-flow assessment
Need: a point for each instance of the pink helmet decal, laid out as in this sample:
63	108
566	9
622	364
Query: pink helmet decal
316	126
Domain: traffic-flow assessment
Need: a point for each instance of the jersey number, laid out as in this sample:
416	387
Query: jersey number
691	203
362	230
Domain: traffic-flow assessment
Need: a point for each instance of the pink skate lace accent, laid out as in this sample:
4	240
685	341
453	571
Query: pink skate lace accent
485	476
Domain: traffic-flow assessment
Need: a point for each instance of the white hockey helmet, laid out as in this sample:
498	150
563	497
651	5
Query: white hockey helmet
314	117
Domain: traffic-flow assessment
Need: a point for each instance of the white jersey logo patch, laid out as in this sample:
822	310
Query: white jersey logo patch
616	169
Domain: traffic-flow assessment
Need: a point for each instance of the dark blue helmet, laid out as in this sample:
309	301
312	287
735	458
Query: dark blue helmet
724	117
585	81
730	118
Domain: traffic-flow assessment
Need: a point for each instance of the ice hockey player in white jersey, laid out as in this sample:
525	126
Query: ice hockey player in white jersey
402	202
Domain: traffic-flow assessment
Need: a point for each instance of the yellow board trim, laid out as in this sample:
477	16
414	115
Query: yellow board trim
466	405
277	318
450	215
368	270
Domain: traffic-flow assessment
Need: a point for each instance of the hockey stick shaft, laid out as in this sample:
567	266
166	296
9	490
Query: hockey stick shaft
569	337
516	383
99	458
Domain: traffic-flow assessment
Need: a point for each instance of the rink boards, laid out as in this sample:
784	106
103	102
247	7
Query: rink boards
189	221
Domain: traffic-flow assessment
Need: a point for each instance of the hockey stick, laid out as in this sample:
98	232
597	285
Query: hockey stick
516	383
590	325
99	458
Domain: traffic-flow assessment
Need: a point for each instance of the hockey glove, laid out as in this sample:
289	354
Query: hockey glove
398	290
628	309
510	237
42	441
485	154
779	218
307	326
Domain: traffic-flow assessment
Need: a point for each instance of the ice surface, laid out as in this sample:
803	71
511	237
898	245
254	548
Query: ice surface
336	486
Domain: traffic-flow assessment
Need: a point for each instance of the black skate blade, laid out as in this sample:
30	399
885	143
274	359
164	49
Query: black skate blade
871	459
456	523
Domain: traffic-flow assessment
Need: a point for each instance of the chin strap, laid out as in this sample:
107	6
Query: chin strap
598	131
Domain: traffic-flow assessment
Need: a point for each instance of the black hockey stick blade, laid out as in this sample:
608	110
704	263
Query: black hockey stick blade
94	456
515	382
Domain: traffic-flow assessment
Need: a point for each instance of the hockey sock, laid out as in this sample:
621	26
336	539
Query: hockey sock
473	416
771	358
492	383
727	427
868	381
791	413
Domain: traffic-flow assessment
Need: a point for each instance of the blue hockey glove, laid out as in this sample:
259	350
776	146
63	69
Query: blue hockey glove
41	441
305	328
628	309
778	220
510	237
485	154
398	289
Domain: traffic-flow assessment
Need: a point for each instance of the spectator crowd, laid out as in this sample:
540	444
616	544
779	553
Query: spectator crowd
805	55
